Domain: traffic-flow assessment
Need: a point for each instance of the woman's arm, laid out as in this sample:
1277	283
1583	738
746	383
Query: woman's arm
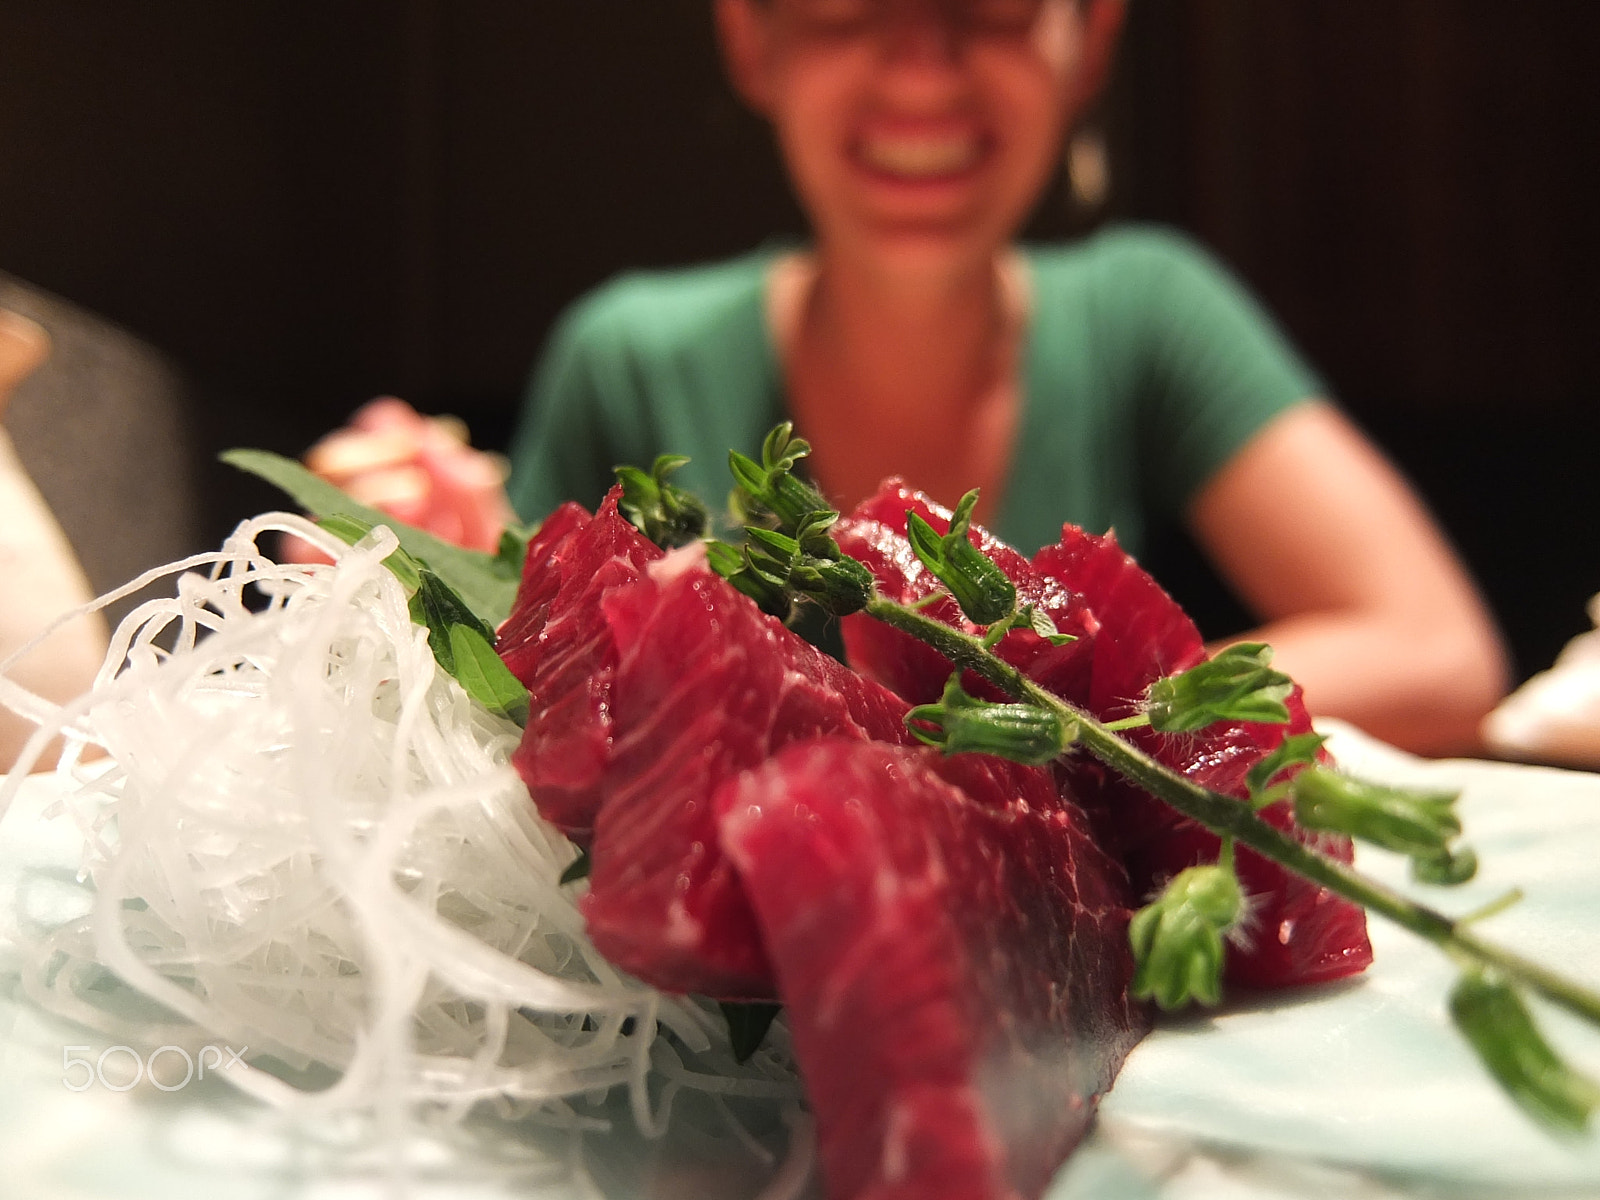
1364	602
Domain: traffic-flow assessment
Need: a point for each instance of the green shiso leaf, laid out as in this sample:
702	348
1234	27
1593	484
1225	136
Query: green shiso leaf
577	869
486	582
486	679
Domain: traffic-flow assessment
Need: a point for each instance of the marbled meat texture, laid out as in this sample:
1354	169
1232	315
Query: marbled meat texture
706	686
956	971
555	642
1130	634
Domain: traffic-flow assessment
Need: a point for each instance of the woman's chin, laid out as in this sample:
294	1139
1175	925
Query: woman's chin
924	247
922	223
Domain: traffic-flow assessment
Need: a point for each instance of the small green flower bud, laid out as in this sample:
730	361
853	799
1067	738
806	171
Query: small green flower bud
839	586
771	486
1447	868
1493	1019
1236	685
746	574
793	500
777	550
748	474
963	724
1177	938
666	514
979	586
1297	749
1417	824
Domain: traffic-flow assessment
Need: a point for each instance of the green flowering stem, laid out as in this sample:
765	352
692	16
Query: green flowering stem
1230	818
798	558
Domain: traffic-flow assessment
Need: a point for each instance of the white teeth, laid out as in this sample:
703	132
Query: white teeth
920	157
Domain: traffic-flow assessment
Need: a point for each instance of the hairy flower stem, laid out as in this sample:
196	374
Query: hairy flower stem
1227	817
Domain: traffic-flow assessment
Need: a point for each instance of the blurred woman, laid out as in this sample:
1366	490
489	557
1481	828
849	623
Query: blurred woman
1099	383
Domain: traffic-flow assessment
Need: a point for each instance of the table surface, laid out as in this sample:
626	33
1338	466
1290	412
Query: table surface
1359	1090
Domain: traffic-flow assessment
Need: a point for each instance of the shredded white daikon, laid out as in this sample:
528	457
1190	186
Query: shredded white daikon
306	839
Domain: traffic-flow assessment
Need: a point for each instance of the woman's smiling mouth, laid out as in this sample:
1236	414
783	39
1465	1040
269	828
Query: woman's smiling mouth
920	156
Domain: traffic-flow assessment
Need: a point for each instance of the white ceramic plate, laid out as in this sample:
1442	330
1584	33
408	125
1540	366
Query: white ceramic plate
1355	1092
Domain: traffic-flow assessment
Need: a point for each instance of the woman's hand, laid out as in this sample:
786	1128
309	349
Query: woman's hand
1365	603
420	470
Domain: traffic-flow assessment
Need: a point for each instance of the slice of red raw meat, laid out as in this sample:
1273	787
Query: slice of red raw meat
1131	632
556	642
706	686
1299	932
956	971
517	639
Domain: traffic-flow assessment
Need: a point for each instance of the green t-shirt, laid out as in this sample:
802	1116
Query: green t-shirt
1146	368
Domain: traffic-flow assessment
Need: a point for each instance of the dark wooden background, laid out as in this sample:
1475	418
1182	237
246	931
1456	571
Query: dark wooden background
310	204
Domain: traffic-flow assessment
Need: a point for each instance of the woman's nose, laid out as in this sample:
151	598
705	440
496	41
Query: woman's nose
922	33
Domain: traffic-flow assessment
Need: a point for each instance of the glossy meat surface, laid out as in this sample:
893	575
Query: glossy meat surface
956	969
557	643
